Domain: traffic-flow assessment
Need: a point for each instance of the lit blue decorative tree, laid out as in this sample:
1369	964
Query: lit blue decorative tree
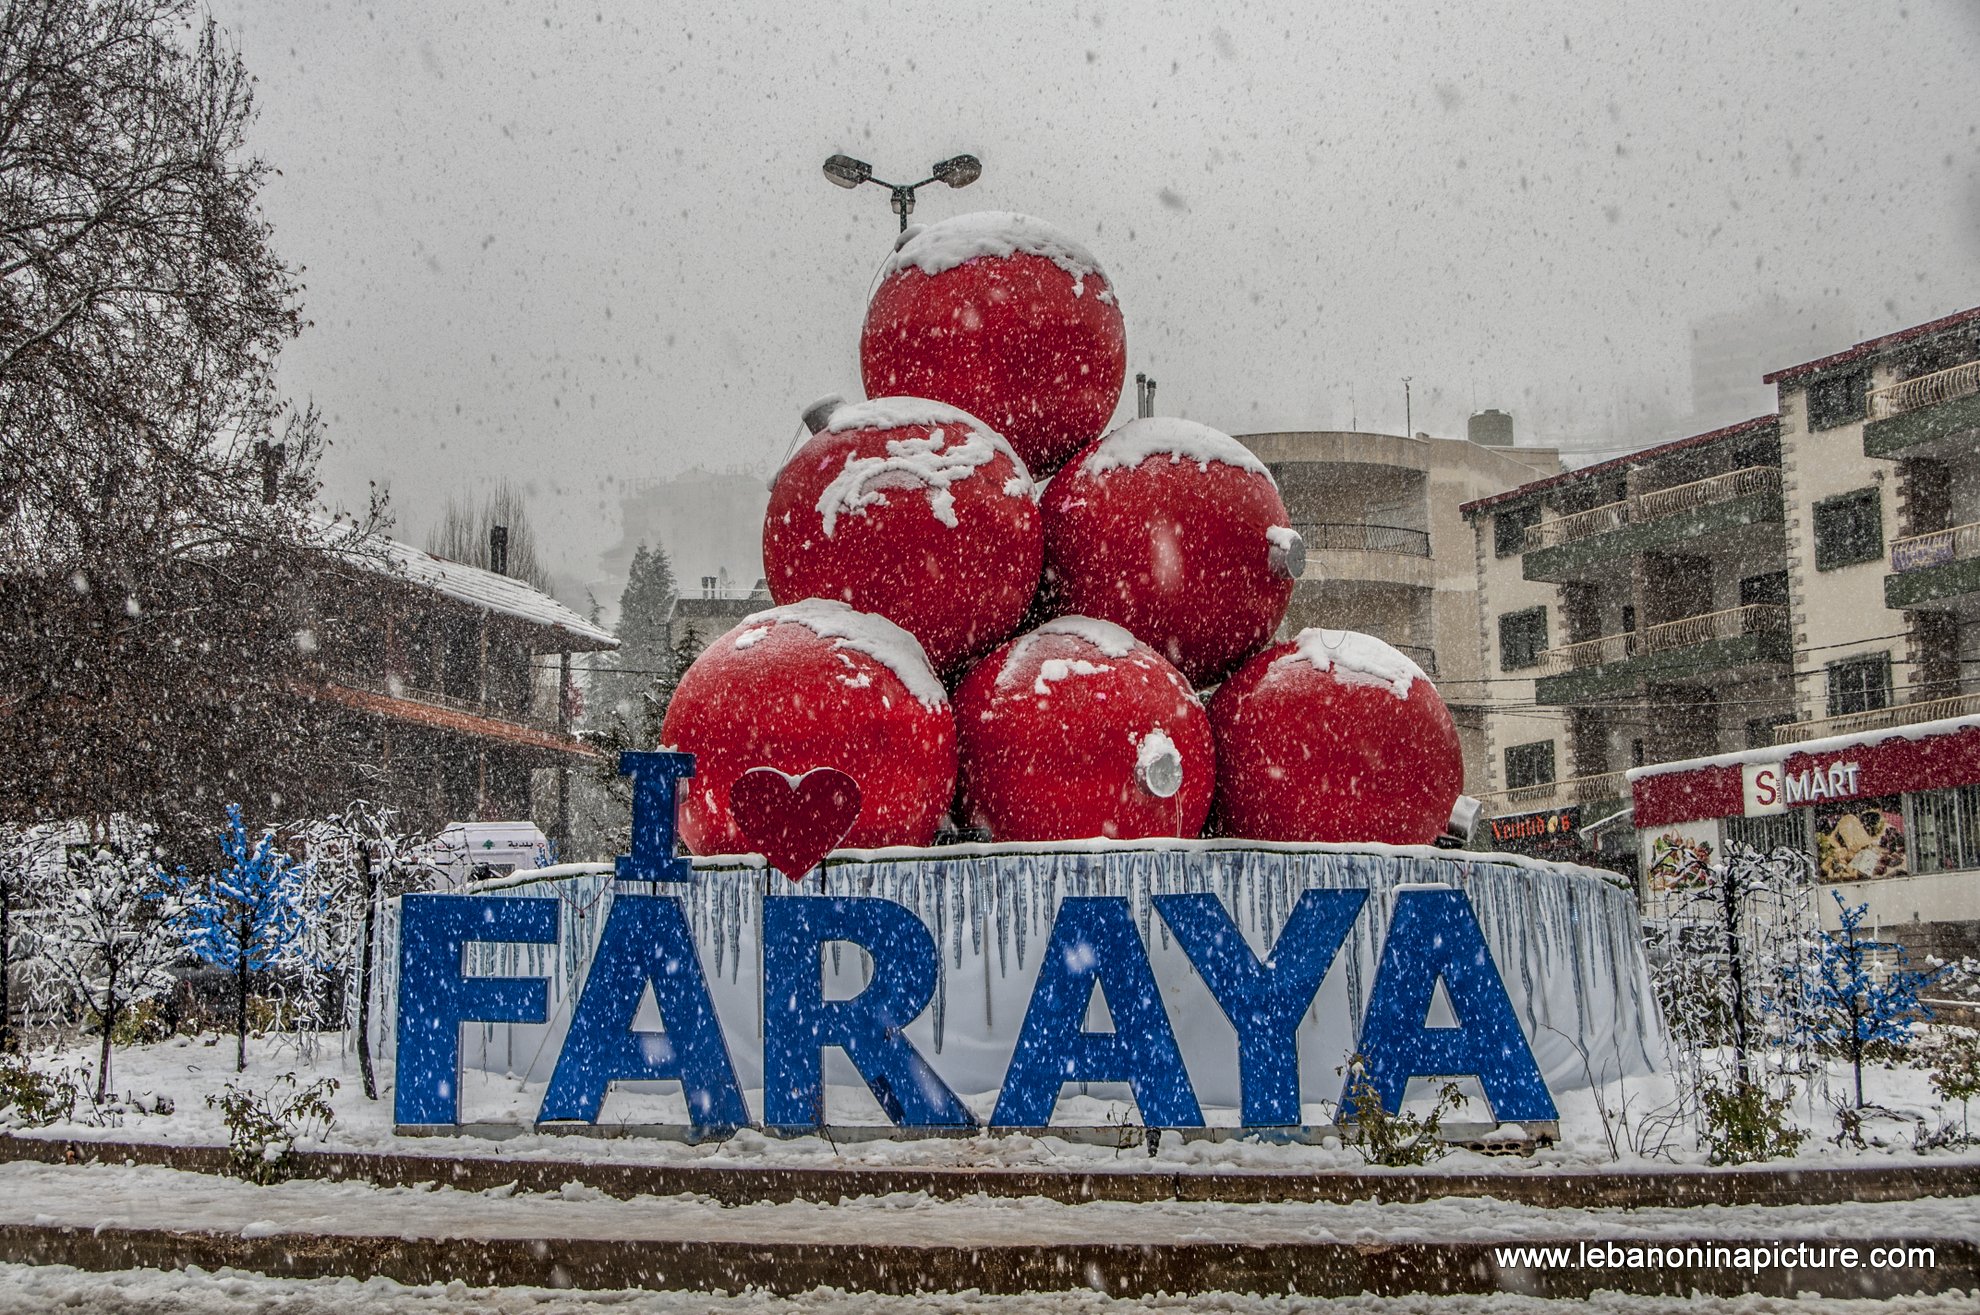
249	916
1854	1001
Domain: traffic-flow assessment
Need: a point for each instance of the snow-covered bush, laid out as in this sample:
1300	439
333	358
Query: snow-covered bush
1741	1122
31	1098
1393	1140
30	866
263	1127
108	939
1953	1058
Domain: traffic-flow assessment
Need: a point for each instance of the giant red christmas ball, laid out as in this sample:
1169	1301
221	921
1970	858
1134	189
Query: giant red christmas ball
1009	319
1176	532
816	684
914	511
1077	729
1334	736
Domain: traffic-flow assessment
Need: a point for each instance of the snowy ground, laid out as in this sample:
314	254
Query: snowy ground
147	1292
187	1070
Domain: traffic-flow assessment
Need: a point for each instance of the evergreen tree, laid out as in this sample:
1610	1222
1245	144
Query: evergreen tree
1854	1004
250	916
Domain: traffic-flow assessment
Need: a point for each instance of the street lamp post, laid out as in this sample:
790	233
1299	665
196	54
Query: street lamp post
956	171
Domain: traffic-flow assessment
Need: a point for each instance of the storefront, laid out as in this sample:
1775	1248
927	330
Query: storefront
1891	819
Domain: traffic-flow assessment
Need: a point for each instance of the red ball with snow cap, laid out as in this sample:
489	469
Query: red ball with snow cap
1334	736
1008	318
1078	730
1176	532
912	510
815	684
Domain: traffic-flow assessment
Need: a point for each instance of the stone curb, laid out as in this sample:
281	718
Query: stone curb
1314	1269
739	1185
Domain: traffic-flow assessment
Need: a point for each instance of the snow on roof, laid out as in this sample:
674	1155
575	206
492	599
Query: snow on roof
862	632
1355	659
1613	464
945	245
1872	347
491	592
1924	730
1171	437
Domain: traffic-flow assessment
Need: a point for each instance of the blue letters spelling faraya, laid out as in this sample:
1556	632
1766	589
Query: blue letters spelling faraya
646	942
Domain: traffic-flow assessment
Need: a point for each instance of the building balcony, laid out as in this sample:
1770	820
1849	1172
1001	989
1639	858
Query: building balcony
1577	790
1343	552
1330	536
1690	647
1878	719
1910	417
1589	543
1936	567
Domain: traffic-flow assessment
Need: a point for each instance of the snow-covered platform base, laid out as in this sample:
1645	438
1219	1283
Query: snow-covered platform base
1566	941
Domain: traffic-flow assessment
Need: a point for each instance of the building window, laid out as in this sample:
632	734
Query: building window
1767	834
1509	529
1522	638
1760	730
1860	685
1945	830
1837	400
1530	764
1849	529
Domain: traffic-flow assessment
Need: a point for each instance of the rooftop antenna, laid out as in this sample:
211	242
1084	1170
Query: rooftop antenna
1409	422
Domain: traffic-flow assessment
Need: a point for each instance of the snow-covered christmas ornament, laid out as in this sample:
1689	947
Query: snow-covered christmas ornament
1006	317
1176	532
912	510
1076	730
815	684
1334	736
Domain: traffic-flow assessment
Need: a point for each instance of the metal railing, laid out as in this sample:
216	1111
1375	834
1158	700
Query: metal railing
1336	536
1704	492
1685	632
1561	794
1641	507
1925	390
1581	525
1937	548
1878	719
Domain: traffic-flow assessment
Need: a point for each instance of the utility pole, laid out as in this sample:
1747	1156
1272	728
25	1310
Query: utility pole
1409	420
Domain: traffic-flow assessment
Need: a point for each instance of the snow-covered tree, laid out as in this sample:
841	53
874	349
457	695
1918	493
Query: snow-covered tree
1727	944
108	940
258	912
1861	991
30	866
358	860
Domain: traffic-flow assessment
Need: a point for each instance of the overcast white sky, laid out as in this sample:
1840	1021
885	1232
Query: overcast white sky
582	244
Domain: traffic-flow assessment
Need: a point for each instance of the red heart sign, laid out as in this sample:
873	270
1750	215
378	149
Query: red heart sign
794	821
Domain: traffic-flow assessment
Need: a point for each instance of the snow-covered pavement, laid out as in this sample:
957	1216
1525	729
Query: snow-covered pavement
32	1290
99	1196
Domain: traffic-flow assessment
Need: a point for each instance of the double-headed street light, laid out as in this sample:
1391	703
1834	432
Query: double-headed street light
956	171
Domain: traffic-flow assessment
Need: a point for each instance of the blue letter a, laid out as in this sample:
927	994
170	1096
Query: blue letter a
1433	935
646	941
1094	943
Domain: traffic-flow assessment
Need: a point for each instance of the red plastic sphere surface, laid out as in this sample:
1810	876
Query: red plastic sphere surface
914	511
1007	318
815	685
1315	742
1076	730
1176	532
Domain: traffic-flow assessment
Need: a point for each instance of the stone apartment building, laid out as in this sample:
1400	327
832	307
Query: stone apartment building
1386	551
1808	574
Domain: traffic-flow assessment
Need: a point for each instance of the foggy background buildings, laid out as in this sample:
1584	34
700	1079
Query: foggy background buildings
587	247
